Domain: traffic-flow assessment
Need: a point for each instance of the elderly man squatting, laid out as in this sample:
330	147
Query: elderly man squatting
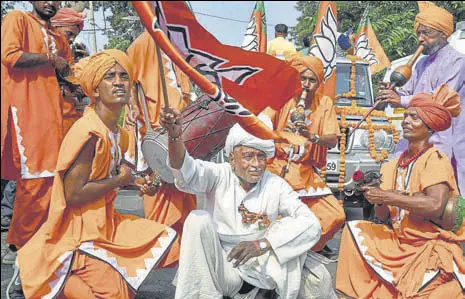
237	238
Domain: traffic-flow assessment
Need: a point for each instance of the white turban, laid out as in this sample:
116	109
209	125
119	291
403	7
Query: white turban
238	136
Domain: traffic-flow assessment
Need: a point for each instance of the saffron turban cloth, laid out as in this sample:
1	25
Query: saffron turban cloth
436	110
239	137
97	65
302	63
435	17
68	17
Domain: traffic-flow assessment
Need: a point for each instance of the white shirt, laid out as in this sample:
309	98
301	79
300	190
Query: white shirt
219	192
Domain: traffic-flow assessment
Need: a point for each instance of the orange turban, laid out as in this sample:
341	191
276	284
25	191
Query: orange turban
301	63
436	110
97	65
68	17
435	17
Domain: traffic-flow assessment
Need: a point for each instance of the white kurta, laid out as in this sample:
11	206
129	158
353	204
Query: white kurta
220	194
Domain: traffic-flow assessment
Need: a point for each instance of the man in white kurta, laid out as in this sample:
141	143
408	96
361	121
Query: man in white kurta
208	264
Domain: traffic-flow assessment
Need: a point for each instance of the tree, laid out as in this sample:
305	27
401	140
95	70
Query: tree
391	20
124	23
7	6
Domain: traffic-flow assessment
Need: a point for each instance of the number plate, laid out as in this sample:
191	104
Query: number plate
332	166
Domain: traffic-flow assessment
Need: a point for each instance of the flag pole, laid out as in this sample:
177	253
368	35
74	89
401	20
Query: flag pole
162	76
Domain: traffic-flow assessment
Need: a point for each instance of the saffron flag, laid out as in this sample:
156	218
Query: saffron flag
243	82
324	45
368	47
255	36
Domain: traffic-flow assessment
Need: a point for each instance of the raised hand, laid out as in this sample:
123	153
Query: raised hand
171	119
385	92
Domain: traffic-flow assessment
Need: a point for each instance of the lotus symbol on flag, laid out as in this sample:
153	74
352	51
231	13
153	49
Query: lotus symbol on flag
363	51
250	39
325	43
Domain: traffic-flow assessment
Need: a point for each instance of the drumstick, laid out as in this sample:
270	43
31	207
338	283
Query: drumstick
144	107
162	76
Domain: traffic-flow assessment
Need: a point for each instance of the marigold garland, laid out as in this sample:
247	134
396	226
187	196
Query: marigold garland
353	77
359	111
342	157
370	127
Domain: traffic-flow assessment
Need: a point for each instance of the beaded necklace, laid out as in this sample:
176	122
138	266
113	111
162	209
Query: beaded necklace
402	164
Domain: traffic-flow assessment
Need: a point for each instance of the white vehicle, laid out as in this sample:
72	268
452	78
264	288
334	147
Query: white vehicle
357	155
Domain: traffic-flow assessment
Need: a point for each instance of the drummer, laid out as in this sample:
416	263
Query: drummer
319	124
86	249
237	241
168	206
412	258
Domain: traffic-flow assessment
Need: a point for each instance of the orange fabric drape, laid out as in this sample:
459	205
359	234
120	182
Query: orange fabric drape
30	209
168	206
301	175
91	279
31	97
412	247
95	228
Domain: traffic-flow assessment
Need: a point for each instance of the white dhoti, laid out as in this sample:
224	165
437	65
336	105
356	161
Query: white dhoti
204	271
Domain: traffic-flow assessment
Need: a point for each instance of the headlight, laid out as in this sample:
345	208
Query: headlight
381	139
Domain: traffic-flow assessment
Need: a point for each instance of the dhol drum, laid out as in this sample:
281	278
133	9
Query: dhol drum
205	128
453	215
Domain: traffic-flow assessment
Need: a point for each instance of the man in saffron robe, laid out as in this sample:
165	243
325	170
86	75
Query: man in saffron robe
319	124
411	256
168	206
86	249
441	65
32	52
70	23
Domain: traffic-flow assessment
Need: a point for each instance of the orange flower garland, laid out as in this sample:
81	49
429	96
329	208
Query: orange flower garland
359	111
343	124
353	77
342	158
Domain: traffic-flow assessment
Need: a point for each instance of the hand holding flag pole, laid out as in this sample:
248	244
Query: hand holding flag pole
228	65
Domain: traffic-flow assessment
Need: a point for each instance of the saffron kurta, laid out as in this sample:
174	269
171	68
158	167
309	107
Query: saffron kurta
130	245
321	120
31	119
412	259
31	98
169	206
447	66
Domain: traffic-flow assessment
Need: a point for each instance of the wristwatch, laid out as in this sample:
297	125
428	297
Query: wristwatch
316	138
263	245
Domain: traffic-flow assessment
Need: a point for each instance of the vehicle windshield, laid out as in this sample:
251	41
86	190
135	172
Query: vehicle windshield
362	84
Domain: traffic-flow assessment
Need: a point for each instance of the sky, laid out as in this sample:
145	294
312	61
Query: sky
227	31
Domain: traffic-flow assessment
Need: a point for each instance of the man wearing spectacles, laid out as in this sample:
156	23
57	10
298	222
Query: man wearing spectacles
441	65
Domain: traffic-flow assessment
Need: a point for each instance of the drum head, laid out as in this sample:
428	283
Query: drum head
155	150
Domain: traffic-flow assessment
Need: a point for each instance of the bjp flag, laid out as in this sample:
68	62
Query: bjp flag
255	36
368	47
324	45
243	82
